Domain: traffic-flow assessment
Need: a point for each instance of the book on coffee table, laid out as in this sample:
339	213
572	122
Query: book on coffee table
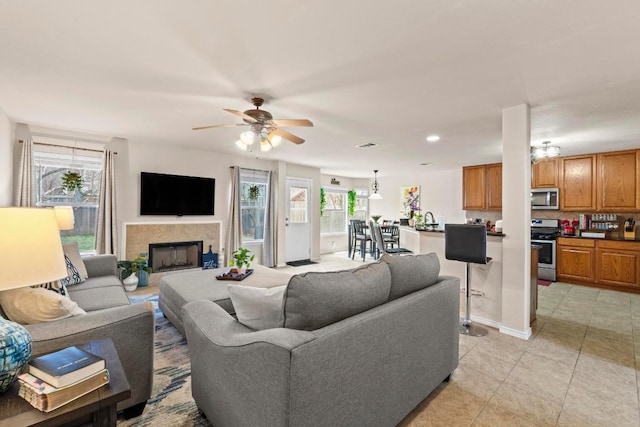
46	398
66	366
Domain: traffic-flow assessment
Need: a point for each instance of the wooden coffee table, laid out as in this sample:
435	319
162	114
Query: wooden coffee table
98	407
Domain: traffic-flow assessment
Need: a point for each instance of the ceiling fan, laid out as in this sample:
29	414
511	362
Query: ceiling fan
264	128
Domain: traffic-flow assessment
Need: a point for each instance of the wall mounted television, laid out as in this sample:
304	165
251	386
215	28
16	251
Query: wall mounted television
163	194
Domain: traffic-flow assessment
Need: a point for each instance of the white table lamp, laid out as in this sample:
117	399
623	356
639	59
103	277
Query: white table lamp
64	216
30	254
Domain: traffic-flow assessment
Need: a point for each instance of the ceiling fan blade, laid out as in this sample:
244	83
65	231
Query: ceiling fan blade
292	122
286	135
218	126
241	115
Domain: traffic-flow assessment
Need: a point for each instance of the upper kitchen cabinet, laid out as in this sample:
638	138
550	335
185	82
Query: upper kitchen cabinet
494	186
578	183
544	173
618	186
473	188
482	187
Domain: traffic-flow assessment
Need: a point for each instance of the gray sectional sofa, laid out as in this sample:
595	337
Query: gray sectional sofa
109	315
358	347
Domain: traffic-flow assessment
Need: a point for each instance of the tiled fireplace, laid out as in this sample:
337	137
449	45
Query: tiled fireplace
138	236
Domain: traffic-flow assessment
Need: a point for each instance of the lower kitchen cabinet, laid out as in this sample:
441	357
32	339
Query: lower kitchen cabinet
610	263
618	263
576	260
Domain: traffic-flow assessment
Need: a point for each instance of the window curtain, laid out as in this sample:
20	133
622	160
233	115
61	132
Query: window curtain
107	227
25	193
234	230
270	245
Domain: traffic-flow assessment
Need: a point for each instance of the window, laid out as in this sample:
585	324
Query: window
253	200
52	165
297	204
362	204
334	217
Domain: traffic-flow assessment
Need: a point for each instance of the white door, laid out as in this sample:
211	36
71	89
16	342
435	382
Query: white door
297	220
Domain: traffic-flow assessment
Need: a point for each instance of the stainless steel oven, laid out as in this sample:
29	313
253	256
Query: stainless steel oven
544	233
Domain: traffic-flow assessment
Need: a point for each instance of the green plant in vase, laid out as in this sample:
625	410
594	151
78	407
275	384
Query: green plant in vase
129	268
241	260
375	218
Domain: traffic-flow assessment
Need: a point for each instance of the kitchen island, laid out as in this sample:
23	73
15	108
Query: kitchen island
486	279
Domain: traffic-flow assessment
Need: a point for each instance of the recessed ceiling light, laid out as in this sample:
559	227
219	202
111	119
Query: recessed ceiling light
426	164
433	138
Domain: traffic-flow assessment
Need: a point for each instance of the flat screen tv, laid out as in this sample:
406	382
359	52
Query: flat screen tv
163	194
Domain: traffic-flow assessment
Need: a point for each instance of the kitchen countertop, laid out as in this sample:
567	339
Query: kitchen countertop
489	233
613	238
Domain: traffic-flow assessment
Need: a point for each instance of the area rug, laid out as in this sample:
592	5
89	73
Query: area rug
543	282
171	403
301	262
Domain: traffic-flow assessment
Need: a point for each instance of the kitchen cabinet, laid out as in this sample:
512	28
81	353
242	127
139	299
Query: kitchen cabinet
578	183
575	260
482	187
474	188
618	185
618	263
494	186
544	173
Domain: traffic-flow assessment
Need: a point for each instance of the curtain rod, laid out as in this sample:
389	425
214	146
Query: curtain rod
66	146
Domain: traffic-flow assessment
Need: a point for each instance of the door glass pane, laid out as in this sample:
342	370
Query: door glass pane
297	204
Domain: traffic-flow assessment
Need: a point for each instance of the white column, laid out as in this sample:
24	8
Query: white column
516	215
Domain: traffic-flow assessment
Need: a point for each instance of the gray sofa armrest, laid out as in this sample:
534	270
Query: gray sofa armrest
101	265
235	370
131	327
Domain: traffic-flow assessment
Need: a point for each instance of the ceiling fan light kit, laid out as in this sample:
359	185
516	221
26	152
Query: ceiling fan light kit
265	131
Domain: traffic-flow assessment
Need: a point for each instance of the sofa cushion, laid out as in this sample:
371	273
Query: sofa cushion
410	273
258	308
91	299
36	305
316	299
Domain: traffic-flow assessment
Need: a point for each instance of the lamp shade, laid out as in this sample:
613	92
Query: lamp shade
30	247
64	216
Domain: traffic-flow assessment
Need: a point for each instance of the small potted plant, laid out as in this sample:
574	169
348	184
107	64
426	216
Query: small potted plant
129	270
375	218
241	260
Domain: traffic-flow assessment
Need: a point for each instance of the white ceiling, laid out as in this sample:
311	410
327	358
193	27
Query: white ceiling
384	72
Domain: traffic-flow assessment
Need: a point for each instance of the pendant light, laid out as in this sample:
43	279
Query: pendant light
374	187
546	151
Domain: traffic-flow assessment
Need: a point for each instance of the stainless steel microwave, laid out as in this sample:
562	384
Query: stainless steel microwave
545	198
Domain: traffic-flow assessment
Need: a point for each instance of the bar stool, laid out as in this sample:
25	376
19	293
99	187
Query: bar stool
467	243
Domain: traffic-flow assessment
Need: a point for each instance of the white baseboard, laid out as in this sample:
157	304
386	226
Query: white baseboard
482	320
516	333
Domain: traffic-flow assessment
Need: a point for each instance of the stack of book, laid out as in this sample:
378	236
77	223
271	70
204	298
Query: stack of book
58	378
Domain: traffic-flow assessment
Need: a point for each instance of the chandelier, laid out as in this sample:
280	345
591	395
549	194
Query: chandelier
546	151
260	136
375	187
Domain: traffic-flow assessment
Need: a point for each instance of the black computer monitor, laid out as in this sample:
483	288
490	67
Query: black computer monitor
466	242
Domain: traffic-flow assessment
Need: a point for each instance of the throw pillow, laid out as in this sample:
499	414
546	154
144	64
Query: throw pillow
72	251
410	273
258	308
55	286
73	275
314	300
36	305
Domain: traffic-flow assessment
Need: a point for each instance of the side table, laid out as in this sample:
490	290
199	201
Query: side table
98	407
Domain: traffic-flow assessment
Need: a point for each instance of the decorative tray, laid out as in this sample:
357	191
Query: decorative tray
235	276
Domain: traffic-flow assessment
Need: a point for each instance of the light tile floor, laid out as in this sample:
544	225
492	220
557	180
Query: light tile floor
580	367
